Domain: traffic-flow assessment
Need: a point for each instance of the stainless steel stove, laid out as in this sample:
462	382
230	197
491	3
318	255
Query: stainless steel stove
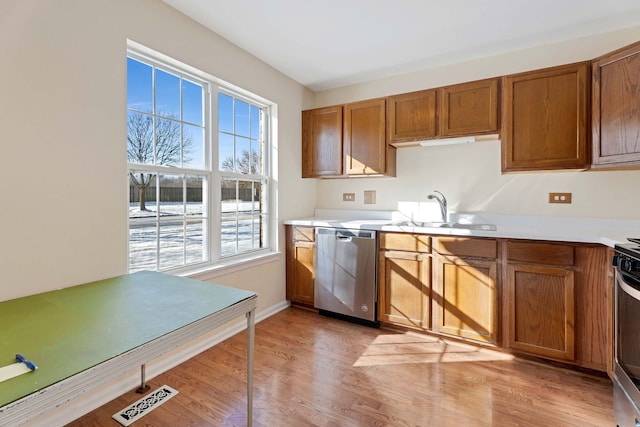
626	386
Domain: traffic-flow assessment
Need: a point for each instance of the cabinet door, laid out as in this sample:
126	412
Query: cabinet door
412	116
465	298
365	142
615	112
303	273
404	280
300	267
544	124
469	108
541	310
322	142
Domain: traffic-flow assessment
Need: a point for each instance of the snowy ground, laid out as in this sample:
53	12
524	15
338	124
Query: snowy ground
181	236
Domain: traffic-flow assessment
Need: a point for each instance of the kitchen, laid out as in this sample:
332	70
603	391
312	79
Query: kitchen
469	175
494	291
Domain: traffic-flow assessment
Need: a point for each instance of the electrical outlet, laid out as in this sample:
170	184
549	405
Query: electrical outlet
348	197
560	198
370	197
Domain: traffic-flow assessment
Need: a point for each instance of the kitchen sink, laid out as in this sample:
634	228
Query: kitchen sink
480	227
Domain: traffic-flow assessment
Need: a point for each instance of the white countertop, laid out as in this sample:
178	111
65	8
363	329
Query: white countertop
585	230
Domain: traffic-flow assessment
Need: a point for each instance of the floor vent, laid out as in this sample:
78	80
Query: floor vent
140	408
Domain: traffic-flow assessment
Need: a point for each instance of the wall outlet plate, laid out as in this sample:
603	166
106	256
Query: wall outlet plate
370	197
348	197
560	198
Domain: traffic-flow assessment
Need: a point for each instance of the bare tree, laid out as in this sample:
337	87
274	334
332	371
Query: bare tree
141	147
247	163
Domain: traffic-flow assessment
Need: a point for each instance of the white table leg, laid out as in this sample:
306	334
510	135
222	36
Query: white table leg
250	338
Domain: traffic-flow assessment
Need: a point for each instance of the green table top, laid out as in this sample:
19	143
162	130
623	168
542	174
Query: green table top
67	331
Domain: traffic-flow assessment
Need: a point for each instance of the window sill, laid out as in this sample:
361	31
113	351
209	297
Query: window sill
231	266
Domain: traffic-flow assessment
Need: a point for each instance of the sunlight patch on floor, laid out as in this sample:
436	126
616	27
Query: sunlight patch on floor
398	349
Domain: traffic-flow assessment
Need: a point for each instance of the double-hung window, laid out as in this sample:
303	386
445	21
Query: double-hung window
242	126
198	165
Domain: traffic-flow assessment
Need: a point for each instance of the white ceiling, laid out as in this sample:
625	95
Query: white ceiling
324	44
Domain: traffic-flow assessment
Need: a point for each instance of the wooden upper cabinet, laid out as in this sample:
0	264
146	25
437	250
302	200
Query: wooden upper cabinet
365	141
616	108
412	116
457	110
545	119
469	108
322	142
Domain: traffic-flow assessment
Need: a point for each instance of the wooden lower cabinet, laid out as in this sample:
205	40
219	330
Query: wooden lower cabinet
541	310
466	298
607	342
559	302
301	249
552	300
404	288
447	290
404	280
594	285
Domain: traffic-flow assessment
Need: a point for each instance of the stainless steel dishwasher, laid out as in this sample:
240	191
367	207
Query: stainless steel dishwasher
345	282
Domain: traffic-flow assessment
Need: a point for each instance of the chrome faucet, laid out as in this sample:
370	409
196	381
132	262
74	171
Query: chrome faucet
442	201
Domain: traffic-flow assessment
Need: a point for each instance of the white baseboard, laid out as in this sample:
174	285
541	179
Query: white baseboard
93	399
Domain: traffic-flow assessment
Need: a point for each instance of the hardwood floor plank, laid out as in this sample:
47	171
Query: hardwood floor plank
312	370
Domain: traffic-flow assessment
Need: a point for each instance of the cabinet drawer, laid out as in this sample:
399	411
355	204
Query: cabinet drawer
464	246
304	234
540	253
405	242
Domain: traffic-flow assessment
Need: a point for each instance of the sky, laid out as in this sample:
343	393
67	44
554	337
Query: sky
239	122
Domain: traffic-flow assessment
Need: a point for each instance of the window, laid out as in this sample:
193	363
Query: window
243	181
198	195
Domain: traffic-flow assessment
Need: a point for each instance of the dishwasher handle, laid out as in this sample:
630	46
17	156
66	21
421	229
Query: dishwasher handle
346	234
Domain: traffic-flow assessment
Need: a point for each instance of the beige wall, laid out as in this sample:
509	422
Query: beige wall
469	175
62	131
63	178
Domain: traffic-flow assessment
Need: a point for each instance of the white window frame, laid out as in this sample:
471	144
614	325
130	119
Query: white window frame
217	264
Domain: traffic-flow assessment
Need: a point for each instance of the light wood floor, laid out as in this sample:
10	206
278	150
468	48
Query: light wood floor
312	370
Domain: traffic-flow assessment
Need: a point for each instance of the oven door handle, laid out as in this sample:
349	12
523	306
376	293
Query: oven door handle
628	289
